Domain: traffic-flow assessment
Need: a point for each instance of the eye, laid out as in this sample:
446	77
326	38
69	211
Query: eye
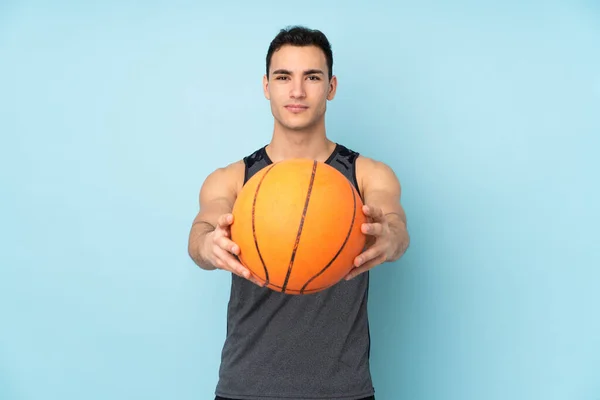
281	78
314	78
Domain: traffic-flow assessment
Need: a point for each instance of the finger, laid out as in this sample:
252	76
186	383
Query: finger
374	229
225	220
244	272
252	277
368	255
364	268
229	263
227	245
374	212
256	281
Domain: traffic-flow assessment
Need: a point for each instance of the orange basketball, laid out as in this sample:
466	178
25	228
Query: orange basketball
298	225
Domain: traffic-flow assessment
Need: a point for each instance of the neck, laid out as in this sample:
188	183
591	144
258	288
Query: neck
308	144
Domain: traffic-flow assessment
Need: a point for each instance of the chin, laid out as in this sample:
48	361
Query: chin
294	125
298	128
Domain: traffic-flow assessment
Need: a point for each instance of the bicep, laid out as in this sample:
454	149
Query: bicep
217	196
381	188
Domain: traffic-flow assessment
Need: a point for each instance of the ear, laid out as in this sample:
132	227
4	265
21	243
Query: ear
332	88
266	87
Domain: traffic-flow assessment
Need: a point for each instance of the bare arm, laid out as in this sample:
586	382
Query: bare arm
217	196
210	244
382	190
386	230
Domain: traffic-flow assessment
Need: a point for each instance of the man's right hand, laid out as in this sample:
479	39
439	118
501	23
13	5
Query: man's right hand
219	249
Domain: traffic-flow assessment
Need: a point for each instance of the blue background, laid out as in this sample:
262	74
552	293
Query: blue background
112	115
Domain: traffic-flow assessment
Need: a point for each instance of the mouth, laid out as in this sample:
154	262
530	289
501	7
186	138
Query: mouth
296	108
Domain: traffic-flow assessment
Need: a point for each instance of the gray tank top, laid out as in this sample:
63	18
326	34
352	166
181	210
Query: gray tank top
282	346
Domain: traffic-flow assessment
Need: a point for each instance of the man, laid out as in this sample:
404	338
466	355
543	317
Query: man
281	346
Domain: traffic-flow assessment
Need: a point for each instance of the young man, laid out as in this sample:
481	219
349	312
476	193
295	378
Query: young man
315	346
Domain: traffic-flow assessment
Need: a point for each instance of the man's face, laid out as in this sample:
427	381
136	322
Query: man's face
298	86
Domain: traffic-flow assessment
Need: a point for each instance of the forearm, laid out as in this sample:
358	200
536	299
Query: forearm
217	197
400	236
200	229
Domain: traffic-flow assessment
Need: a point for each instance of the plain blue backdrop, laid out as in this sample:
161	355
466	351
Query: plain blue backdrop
112	114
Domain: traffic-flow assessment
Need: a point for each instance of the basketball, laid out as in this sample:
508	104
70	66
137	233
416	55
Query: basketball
298	225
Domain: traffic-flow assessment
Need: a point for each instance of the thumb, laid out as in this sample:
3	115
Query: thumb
225	220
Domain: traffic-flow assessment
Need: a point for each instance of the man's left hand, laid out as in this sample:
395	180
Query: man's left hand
380	245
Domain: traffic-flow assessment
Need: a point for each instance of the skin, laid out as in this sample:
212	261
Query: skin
298	89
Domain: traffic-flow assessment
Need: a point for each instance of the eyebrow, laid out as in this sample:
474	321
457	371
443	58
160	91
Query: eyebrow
307	72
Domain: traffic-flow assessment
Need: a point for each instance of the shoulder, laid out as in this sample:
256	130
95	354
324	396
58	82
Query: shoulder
230	176
372	173
232	170
233	175
369	165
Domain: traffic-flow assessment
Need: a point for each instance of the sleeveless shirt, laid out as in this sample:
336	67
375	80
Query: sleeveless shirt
311	347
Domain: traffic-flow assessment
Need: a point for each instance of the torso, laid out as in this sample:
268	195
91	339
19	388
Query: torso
281	346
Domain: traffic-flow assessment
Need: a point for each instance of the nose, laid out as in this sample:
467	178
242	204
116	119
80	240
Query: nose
297	89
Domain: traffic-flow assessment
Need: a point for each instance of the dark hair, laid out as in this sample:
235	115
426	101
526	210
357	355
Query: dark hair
301	36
